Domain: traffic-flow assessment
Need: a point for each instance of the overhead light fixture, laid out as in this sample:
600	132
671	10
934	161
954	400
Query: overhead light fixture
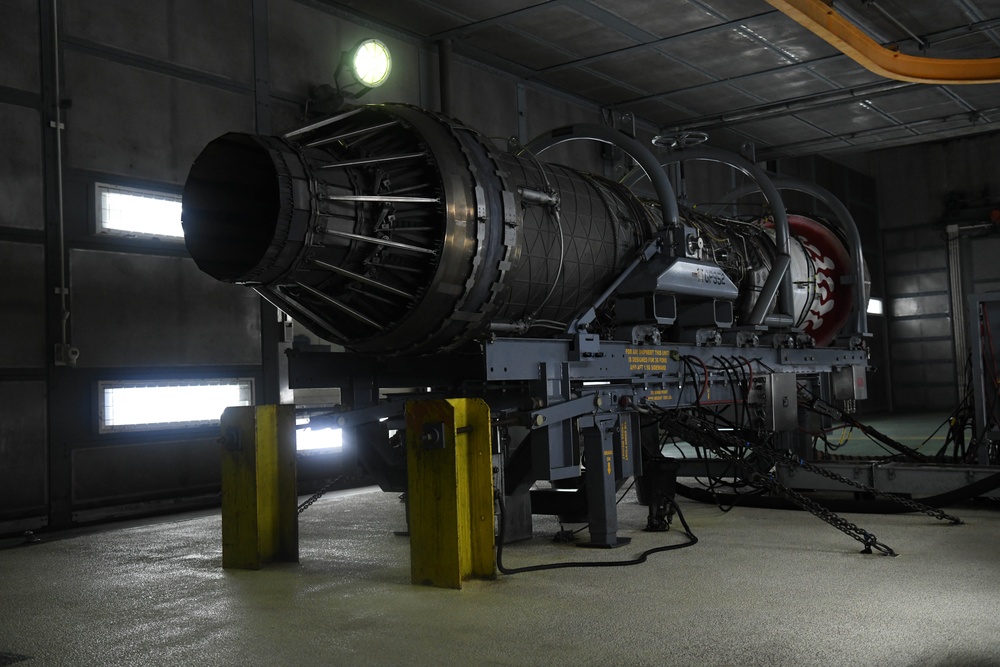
371	63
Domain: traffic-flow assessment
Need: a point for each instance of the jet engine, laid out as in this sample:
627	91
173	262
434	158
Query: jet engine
393	230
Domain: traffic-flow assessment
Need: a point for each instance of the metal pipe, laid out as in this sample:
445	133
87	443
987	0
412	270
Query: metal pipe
531	196
957	293
774	109
831	26
369	239
339	305
65	355
371	160
845	223
775	278
350	135
388	199
779	274
321	123
636	149
361	279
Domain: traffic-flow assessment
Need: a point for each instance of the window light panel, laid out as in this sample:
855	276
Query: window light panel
139	212
128	407
307	439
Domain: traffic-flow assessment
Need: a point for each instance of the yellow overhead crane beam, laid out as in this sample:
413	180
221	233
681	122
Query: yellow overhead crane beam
820	18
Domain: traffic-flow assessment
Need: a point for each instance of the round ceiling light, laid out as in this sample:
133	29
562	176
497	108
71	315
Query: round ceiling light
372	63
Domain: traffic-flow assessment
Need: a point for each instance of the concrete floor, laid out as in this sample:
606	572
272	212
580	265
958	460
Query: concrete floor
760	588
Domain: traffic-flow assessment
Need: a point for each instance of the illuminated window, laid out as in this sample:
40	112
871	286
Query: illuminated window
309	439
874	306
138	213
144	406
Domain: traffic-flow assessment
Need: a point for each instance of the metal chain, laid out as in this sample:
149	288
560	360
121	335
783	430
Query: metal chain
694	428
319	494
822	407
815	402
840	523
906	502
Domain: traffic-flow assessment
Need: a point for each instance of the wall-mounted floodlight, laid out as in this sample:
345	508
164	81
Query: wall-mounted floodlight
371	63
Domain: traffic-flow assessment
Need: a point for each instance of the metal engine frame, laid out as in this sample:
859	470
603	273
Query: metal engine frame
575	408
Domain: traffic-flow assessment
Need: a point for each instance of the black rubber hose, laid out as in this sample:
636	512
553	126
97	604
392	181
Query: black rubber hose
842	504
641	558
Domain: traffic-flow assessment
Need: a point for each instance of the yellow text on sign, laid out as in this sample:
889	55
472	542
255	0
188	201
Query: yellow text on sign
647	359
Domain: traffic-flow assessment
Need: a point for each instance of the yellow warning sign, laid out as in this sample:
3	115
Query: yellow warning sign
624	440
647	359
661	396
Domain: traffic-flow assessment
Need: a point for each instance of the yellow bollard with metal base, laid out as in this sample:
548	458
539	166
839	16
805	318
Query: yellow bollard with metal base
450	480
259	517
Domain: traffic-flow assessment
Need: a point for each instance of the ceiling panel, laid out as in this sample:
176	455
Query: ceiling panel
722	100
681	62
787	37
846	119
428	20
785	84
521	49
650	71
568	29
590	84
778	131
846	73
897	22
979	97
476	11
728	53
735	9
663	18
919	103
656	111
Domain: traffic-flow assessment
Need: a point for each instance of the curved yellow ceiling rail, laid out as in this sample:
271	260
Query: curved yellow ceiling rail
820	18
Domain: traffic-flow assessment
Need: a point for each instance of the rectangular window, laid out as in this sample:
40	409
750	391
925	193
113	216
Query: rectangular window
309	439
138	213
874	306
150	405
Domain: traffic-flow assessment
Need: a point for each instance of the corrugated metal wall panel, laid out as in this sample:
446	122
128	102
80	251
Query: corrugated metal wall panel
920	327
169	120
144	470
209	36
23	451
19	45
20	168
22	302
922	305
136	310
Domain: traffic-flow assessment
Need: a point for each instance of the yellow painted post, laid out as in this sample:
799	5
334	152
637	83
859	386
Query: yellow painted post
450	471
259	517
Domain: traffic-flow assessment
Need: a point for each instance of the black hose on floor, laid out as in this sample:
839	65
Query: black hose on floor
842	504
641	558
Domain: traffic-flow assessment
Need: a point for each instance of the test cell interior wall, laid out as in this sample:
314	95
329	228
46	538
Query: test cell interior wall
144	85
